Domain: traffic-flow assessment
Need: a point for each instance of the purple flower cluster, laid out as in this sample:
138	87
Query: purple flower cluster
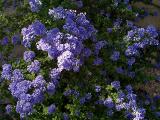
123	71
6	71
109	103
75	24
126	101
4	41
57	13
16	39
34	67
67	48
70	92
125	2
65	53
141	38
51	88
35	5
20	88
28	56
85	98
29	34
51	109
115	56
9	109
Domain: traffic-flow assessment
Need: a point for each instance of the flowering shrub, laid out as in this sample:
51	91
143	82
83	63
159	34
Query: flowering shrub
80	60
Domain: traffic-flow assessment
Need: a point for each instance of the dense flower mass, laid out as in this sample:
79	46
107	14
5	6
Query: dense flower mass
67	48
78	59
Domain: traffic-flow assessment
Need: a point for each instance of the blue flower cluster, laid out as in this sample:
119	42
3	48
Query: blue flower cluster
34	67
53	53
4	41
35	5
28	56
125	101
9	109
119	2
141	38
28	93
75	24
51	109
67	48
115	56
6	71
29	34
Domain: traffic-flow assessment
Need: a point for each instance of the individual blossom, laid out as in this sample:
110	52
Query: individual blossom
108	103
115	84
51	88
4	41
131	74
97	88
120	70
110	113
9	109
98	61
51	109
87	52
132	51
16	39
129	88
82	100
152	31
117	23
131	61
88	96
115	56
75	93
65	116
